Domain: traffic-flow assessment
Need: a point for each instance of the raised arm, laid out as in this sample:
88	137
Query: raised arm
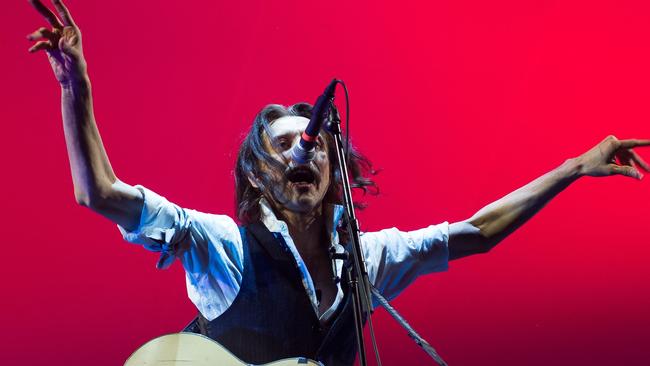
95	183
494	222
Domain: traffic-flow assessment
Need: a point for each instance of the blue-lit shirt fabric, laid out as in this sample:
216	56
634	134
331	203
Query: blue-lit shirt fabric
210	249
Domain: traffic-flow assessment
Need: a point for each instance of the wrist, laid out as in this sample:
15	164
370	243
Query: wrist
573	168
76	84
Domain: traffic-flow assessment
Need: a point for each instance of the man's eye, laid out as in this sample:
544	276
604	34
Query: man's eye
284	144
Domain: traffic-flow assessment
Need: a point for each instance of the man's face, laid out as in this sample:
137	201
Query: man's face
300	188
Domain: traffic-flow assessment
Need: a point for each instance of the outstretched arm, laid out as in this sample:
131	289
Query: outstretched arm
95	183
494	222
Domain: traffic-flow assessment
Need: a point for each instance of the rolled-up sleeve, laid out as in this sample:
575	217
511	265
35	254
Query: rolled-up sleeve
178	232
163	227
396	258
209	247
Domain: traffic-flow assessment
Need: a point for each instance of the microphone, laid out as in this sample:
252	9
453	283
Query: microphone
303	152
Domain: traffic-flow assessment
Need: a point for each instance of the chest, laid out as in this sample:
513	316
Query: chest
321	272
271	311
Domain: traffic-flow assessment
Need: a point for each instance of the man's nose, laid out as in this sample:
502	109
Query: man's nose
295	142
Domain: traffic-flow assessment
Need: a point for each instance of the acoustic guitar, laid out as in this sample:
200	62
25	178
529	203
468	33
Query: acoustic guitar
191	349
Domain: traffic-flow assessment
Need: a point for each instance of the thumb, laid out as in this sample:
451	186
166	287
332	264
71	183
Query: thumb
625	170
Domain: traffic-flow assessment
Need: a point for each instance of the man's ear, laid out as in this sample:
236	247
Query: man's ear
253	181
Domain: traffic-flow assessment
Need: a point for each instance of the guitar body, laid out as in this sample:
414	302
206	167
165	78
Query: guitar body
191	349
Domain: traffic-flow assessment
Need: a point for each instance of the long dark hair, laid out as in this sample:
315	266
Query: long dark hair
252	151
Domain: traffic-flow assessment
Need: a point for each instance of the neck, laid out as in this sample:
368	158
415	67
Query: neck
306	229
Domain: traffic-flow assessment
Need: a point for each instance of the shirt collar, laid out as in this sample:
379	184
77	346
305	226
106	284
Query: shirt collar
332	211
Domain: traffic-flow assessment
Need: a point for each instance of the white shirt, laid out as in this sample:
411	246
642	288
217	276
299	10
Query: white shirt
210	248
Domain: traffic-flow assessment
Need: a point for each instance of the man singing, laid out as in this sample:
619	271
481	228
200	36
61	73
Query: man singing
265	286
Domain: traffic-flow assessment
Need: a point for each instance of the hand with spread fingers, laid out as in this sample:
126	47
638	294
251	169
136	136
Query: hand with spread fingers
95	184
62	43
614	157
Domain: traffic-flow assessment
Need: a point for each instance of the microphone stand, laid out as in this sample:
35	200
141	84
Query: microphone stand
358	281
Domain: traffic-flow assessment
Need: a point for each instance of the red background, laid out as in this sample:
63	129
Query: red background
486	95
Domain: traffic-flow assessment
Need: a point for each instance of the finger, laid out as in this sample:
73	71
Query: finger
42	45
634	143
64	13
637	159
47	13
41	33
67	49
625	170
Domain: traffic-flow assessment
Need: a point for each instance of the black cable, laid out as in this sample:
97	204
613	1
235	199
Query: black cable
347	121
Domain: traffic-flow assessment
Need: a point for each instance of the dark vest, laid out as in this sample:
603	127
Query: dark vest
272	317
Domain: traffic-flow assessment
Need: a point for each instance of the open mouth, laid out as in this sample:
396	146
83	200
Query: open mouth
301	175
